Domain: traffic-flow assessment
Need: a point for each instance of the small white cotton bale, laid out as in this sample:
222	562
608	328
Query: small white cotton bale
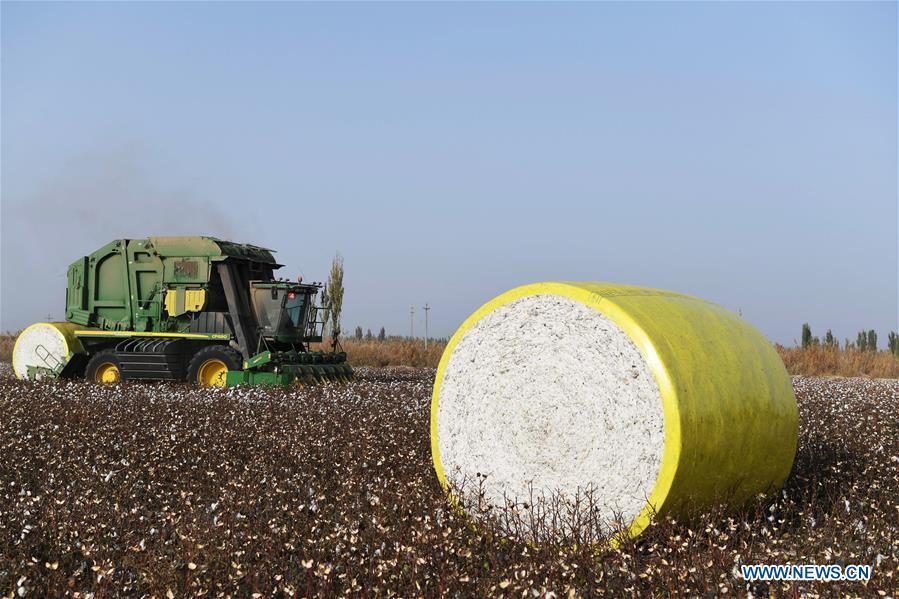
556	394
45	345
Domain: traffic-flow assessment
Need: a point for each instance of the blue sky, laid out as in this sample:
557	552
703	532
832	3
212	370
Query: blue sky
742	152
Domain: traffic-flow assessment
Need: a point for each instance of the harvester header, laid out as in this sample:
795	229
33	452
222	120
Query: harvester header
199	309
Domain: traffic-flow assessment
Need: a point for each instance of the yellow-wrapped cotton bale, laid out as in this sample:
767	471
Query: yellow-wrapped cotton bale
639	401
44	349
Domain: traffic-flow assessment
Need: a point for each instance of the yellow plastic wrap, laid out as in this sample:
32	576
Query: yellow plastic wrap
730	416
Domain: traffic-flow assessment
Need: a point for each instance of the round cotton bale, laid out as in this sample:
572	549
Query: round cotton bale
611	403
45	347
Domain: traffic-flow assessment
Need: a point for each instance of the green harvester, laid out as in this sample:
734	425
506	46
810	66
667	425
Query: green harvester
196	309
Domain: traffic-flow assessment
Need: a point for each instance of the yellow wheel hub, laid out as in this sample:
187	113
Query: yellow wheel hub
108	373
212	373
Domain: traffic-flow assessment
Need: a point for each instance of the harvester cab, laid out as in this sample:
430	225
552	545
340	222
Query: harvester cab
183	308
283	309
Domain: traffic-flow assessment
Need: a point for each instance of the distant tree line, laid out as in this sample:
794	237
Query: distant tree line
865	341
368	336
361	334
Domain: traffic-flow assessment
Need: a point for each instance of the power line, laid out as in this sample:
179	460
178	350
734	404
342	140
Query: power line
426	324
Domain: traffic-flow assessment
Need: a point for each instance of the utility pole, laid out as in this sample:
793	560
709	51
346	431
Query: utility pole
426	325
412	322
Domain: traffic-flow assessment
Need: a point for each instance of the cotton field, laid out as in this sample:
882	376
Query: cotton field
170	490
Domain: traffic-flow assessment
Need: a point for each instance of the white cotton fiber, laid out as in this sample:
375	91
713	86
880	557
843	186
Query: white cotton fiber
545	396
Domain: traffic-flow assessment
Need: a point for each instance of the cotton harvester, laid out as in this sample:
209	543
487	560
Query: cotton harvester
196	309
